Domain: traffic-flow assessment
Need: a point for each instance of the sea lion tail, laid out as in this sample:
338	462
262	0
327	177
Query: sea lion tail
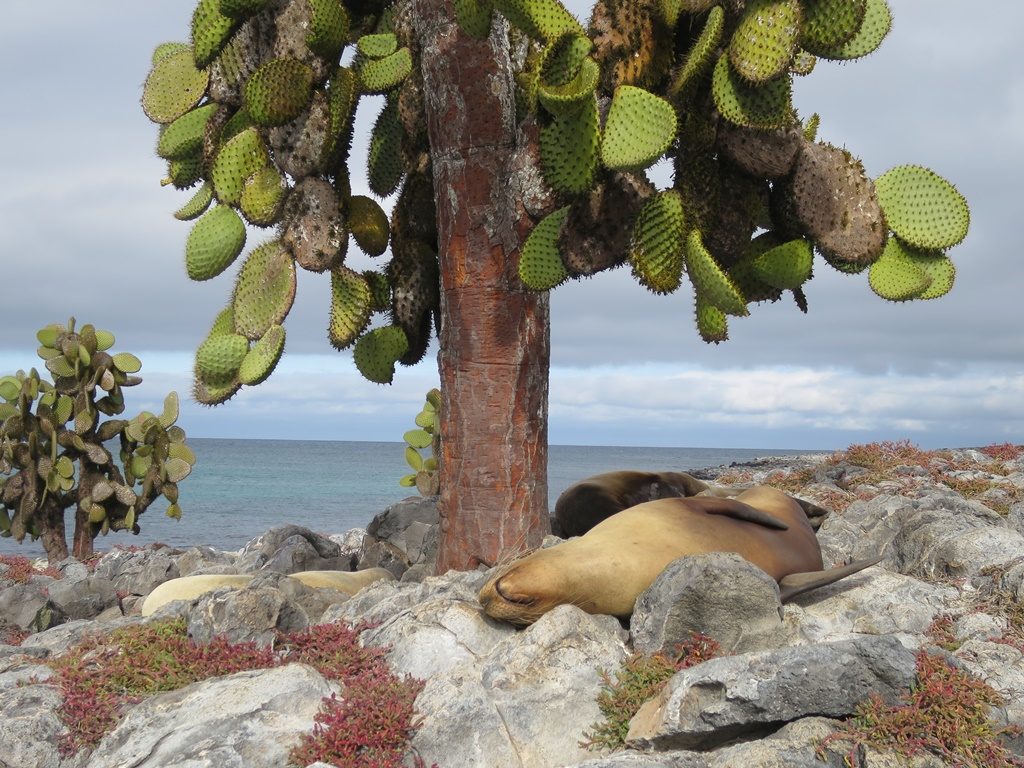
797	583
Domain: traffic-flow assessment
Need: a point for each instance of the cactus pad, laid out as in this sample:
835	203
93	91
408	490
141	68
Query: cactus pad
415	294
829	24
328	28
765	106
540	19
224	323
381	75
922	208
764	41
873	29
380	290
211	29
702	51
312	225
241	157
639	129
278	91
939	269
208	394
569	148
708	278
242	9
896	276
184	136
785	266
540	265
351	300
657	249
712	324
474	16
377	46
376	353
173	87
263	196
219	358
260	361
264	291
385	159
214	243
368	224
762	154
197	205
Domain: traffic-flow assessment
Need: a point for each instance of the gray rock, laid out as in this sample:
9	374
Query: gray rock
252	614
197	560
32	730
351	543
138	572
72	570
288	549
736	696
83	598
999	664
630	759
381	600
22	670
245	720
314	601
979	626
58	639
719	594
392	523
384	554
1015	517
28	607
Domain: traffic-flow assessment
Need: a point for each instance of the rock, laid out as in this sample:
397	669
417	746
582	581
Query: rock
245	720
29	607
289	549
22	670
351	543
734	696
254	614
197	560
314	601
58	639
381	600
384	554
83	598
999	664
979	626
72	570
1015	517
393	522
719	594
32	730
138	572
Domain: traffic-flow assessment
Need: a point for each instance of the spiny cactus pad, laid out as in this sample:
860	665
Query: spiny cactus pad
263	196
196	205
938	268
368	224
278	91
208	394
381	75
657	249
385	159
242	9
785	266
701	53
351	303
474	16
764	41
569	149
712	324
709	279
766	106
873	29
214	243
540	19
896	276
377	46
219	358
639	128
328	28
173	87
242	156
184	136
922	208
264	291
376	353
566	98
829	24
211	29
260	361
540	265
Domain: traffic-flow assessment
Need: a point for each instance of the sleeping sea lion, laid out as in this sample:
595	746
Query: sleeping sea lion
191	587
586	503
605	570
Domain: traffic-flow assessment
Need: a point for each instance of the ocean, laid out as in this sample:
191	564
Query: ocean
240	488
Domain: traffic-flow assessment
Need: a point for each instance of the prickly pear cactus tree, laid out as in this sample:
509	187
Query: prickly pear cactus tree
54	441
425	476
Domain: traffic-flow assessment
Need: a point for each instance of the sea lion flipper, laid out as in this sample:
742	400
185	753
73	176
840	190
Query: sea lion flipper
797	583
740	511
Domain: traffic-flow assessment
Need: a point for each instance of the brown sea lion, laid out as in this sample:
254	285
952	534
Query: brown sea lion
588	502
605	570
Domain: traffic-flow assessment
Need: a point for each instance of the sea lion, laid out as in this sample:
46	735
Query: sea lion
191	587
586	503
605	570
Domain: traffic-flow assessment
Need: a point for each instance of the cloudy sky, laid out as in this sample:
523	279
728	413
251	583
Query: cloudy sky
86	230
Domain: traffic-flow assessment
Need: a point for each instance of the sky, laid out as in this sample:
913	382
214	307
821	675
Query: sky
86	230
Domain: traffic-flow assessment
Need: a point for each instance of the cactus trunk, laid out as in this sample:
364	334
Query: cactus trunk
51	523
495	342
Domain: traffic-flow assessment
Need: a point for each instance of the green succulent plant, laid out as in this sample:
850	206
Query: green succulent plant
54	441
424	476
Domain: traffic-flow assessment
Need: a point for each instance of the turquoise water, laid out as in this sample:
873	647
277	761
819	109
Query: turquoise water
240	488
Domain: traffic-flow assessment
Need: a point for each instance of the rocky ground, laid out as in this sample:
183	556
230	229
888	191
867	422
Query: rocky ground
949	526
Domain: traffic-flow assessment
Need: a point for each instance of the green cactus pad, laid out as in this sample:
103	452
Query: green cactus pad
261	360
264	291
368	224
328	28
342	98
351	303
377	46
545	20
376	353
214	243
223	323
165	49
207	394
415	294
197	205
380	290
656	253
569	148
708	278
540	265
786	266
242	156
278	91
764	41
810	128
563	99
173	87
563	58
474	16
126	362
896	276
803	63
184	136
765	106
938	268
211	29
381	75
873	29
242	9
829	24
263	196
219	358
922	208
185	172
384	164
712	324
699	56
639	129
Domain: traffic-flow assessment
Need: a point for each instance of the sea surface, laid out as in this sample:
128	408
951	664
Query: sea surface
240	488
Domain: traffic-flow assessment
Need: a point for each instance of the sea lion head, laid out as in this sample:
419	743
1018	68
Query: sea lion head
527	588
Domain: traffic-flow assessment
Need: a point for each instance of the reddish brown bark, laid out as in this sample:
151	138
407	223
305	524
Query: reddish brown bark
494	335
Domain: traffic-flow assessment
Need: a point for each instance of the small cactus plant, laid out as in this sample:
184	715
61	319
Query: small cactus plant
47	428
425	475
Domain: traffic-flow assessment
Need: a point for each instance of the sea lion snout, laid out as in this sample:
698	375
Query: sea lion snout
506	592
